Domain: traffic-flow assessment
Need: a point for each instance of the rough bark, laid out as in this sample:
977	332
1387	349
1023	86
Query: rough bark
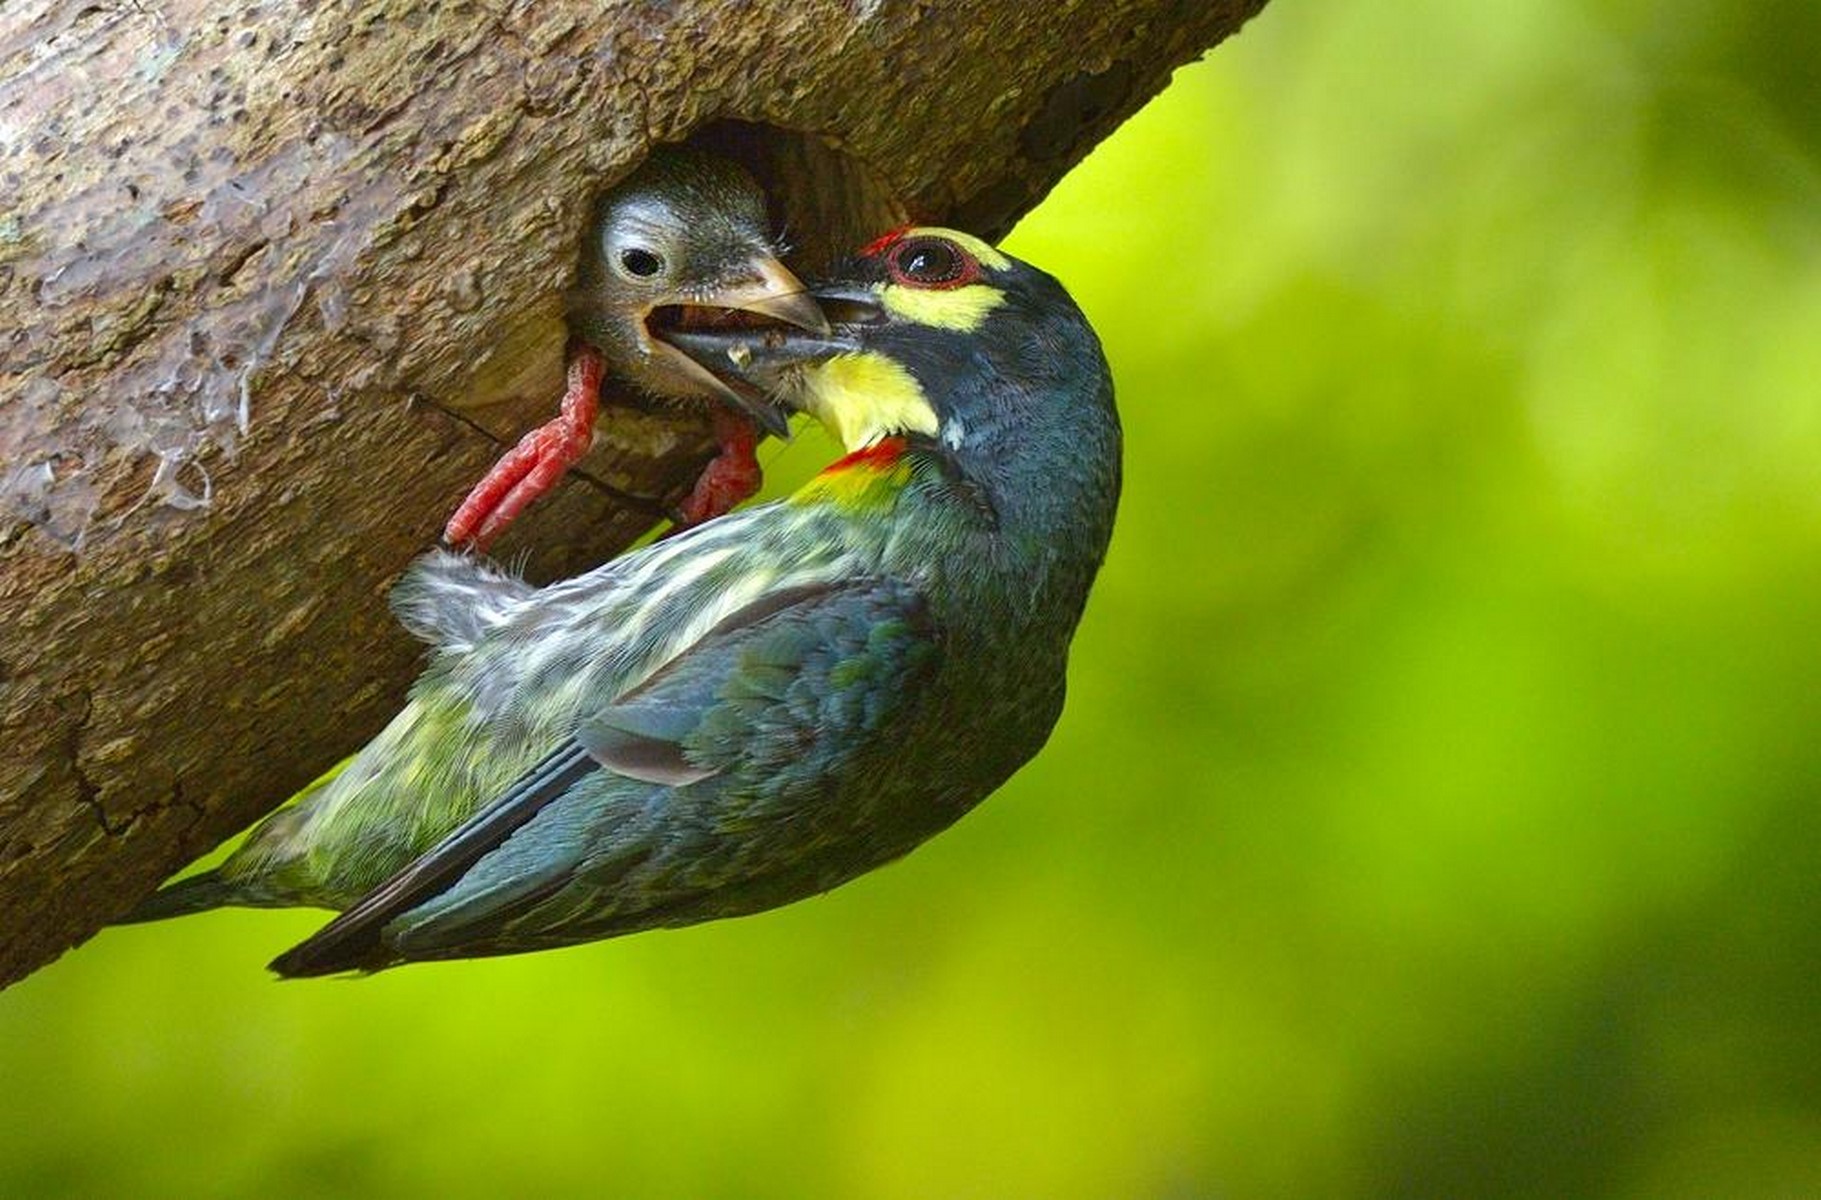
275	280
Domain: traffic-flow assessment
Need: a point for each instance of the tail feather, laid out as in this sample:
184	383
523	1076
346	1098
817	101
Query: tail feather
195	894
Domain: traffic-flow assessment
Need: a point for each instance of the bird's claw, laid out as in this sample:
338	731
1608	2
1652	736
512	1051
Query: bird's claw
534	466
731	476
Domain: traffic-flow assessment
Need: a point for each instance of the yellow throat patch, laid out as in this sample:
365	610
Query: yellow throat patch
863	397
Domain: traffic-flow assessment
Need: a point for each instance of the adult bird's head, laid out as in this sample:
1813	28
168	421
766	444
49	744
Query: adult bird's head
683	243
940	338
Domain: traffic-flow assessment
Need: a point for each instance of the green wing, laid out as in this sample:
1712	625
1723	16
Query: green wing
705	779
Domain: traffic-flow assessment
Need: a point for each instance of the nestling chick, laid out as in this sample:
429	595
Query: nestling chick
683	242
763	707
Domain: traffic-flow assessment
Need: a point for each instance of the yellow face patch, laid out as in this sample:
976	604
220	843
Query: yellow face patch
863	397
960	309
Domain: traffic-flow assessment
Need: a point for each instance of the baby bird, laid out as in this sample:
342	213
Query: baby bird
682	243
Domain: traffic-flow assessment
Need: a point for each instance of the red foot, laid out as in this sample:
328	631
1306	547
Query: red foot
730	477
532	467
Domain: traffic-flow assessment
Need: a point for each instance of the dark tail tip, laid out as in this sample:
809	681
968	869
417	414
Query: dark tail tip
195	894
314	958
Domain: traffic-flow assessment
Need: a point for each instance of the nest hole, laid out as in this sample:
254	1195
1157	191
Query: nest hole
825	202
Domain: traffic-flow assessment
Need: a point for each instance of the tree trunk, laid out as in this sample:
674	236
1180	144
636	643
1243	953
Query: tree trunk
277	279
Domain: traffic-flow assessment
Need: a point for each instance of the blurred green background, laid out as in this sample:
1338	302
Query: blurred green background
1435	809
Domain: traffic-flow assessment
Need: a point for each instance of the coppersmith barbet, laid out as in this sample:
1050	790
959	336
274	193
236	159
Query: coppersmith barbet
764	706
684	239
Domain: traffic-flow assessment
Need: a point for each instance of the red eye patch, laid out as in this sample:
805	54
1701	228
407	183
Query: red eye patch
877	245
928	262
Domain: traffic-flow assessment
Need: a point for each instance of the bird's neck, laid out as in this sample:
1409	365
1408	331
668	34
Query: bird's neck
868	480
997	520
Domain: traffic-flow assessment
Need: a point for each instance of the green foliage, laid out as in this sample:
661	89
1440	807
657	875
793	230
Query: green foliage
1434	814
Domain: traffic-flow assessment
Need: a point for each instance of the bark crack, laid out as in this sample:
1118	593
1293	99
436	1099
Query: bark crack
88	792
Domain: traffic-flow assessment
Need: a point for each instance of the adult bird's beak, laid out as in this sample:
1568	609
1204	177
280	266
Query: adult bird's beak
754	362
767	290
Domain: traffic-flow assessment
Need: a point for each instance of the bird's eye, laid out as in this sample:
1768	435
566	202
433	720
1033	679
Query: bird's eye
640	263
931	262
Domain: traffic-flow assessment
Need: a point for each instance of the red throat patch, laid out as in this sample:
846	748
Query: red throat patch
882	455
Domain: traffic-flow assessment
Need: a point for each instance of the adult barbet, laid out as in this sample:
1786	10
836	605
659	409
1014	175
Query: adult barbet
765	706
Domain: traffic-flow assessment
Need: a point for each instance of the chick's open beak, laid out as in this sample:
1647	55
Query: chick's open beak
753	362
776	293
767	297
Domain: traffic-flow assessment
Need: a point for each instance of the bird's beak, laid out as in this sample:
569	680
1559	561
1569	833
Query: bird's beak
770	291
751	366
776	293
755	362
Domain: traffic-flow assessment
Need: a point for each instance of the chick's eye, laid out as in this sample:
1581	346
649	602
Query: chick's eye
642	263
931	263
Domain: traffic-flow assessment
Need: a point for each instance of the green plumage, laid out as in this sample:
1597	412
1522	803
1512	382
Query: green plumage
746	714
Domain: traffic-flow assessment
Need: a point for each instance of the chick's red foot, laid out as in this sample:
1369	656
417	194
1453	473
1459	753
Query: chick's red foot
730	476
533	467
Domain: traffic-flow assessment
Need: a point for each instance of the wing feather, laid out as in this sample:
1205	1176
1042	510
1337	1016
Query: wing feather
605	803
